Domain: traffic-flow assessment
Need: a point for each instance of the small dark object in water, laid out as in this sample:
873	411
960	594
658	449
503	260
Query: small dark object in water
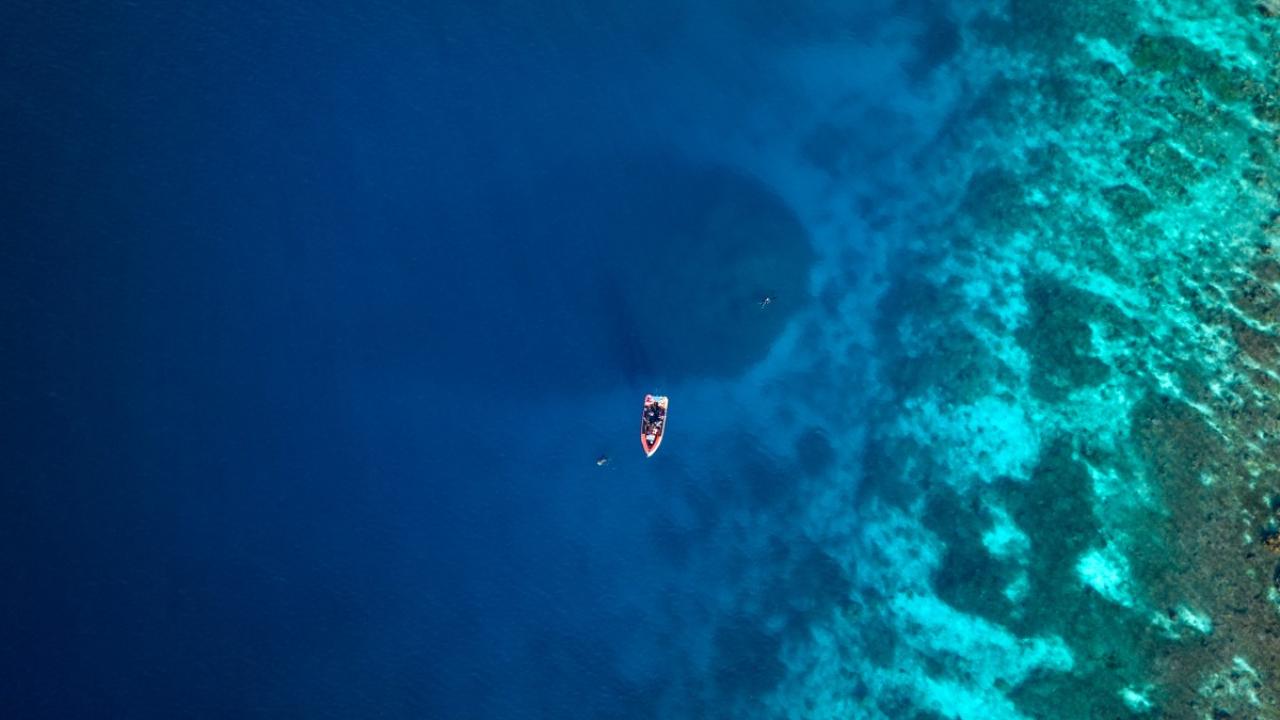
766	300
1272	542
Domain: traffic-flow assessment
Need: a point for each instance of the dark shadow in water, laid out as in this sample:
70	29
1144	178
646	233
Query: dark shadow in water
814	452
632	356
561	665
699	248
653	269
744	658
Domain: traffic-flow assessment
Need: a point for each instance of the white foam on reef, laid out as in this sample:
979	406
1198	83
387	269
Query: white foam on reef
1238	681
1005	539
1198	621
1136	700
1102	49
1016	590
1107	572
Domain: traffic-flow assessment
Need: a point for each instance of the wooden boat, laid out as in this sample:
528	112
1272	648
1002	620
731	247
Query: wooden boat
653	423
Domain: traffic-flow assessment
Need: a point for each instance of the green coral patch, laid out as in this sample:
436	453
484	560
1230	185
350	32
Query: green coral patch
968	577
1057	337
1128	203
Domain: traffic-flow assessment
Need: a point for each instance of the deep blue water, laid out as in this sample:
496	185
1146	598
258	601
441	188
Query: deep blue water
316	316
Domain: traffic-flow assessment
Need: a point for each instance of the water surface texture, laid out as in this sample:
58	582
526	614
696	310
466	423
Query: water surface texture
316	317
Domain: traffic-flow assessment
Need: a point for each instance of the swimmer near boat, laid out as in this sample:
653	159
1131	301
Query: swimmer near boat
653	422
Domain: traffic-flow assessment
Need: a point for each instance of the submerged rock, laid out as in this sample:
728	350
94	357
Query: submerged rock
701	247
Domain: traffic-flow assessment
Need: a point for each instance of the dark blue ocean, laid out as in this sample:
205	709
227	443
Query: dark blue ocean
317	316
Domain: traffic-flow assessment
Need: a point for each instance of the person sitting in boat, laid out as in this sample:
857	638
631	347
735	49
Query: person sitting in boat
653	414
652	420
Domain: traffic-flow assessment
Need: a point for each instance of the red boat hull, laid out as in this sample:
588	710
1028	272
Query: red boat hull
651	433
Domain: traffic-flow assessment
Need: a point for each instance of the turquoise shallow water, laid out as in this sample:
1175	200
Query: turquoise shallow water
1059	501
